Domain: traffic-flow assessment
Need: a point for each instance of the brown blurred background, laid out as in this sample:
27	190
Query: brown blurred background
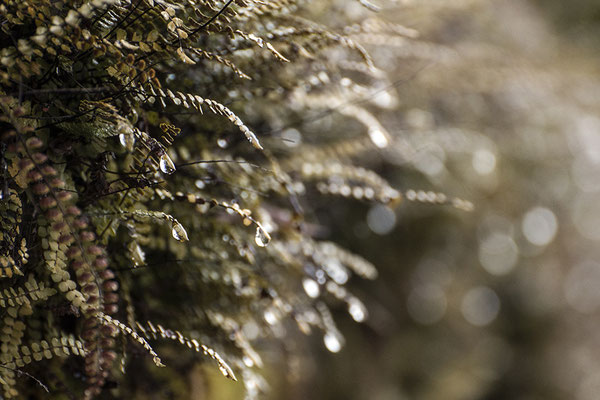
499	103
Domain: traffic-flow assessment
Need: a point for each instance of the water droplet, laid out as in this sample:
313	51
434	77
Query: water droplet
166	164
137	254
378	137
311	288
248	361
127	141
262	237
291	137
270	317
381	219
357	310
333	341
498	253
336	271
539	226
484	161
320	275
179	232
222	143
384	100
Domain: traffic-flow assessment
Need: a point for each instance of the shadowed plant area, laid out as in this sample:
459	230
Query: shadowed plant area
206	199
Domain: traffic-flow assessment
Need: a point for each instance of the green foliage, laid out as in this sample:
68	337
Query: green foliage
123	201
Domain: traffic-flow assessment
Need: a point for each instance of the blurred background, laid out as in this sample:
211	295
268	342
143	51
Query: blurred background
497	102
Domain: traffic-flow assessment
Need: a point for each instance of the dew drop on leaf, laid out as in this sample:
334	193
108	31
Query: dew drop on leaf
262	237
127	141
179	232
166	164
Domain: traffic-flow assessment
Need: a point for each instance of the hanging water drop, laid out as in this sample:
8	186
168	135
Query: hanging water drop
357	310
262	237
222	143
378	137
336	271
270	317
166	164
179	232
311	288
333	341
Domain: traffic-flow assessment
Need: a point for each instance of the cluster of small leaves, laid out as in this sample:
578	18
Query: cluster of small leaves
105	141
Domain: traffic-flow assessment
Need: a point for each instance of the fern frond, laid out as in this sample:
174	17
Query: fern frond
30	292
107	320
62	346
150	330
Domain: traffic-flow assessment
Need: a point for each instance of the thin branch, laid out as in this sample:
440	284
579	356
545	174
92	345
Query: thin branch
21	372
